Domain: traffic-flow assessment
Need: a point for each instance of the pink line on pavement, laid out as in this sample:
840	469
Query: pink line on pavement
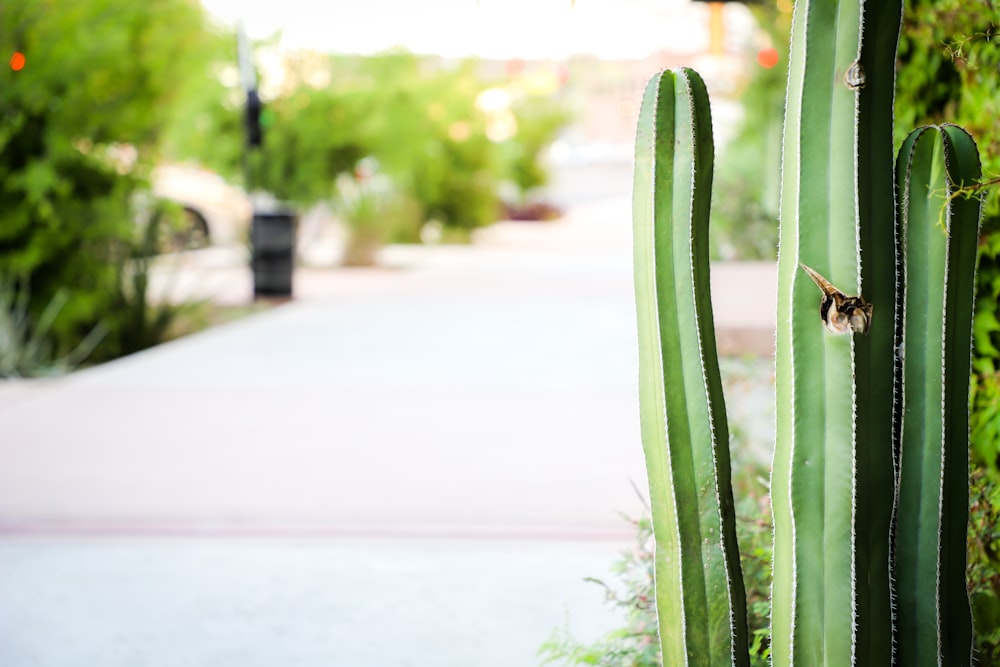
238	529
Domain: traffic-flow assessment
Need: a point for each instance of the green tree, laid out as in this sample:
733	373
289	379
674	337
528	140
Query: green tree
429	136
415	117
418	118
312	135
539	119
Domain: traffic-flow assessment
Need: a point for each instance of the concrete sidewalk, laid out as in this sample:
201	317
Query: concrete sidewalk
483	390
421	463
476	391
304	602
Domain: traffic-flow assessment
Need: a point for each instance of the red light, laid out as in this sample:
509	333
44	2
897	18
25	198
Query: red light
17	61
768	57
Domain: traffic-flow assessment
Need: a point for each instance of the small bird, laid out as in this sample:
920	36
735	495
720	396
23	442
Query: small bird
841	314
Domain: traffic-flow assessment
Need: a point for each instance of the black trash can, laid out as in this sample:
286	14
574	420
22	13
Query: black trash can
272	239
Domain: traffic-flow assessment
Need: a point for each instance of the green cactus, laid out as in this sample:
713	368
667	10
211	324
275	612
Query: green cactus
700	598
869	484
939	228
832	478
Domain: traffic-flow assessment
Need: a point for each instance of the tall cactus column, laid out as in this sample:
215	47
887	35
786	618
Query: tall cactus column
700	598
939	227
832	478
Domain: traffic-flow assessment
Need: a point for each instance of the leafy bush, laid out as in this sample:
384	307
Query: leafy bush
311	137
374	211
419	118
78	126
985	397
984	565
26	349
430	138
538	118
134	321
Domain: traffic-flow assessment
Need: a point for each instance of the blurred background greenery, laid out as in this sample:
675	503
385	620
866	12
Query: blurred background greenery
80	124
99	92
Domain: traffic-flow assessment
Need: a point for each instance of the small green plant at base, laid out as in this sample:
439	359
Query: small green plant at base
374	212
135	320
635	643
26	346
748	382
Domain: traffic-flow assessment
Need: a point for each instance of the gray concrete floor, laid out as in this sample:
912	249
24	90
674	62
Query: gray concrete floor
414	465
304	602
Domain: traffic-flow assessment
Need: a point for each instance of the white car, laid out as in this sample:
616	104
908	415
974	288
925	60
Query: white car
214	212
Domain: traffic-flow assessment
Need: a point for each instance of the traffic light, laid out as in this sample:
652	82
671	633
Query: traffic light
255	134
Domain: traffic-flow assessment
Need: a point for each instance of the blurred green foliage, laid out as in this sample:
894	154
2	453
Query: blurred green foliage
984	565
110	88
538	120
26	349
375	212
985	399
79	125
426	133
419	118
745	188
138	320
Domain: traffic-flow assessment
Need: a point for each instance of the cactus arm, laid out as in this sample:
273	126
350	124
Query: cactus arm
700	599
934	618
831	485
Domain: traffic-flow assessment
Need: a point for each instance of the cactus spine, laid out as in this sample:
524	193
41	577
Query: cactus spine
700	597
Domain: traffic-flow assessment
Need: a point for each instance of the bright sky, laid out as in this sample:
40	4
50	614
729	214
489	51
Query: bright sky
488	28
